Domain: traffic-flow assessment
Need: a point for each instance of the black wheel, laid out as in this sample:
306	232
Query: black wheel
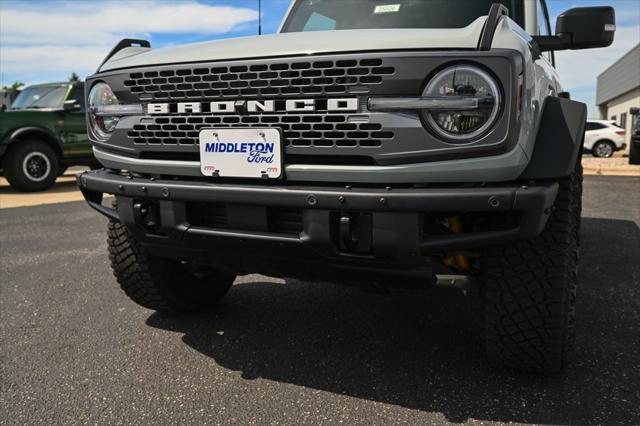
161	284
529	291
603	149
31	165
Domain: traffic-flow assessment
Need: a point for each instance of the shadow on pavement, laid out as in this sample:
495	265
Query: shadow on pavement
422	350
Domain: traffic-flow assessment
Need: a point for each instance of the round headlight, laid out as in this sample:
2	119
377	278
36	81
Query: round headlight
99	96
463	82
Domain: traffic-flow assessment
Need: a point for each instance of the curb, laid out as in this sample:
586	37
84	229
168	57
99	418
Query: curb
601	171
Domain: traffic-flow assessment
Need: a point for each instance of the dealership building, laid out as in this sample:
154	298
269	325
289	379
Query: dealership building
619	90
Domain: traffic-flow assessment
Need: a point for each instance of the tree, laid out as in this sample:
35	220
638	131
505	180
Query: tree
14	86
74	77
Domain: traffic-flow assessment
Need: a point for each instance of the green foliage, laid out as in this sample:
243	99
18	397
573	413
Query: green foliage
14	86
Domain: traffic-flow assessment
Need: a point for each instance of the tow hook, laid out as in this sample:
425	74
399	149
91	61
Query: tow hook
355	233
146	213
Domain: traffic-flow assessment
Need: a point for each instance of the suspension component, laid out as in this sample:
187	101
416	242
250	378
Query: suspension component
455	225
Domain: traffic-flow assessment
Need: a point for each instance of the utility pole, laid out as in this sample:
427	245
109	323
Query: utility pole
259	17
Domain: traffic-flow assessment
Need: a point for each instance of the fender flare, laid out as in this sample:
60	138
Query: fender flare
46	134
559	140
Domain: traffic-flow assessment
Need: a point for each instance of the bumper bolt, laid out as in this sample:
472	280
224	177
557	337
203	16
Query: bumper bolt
152	179
121	187
383	201
342	199
494	202
144	189
348	187
312	200
165	192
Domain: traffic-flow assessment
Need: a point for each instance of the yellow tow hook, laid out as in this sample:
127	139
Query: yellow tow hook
461	261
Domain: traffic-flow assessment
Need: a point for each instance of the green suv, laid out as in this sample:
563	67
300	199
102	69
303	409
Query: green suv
42	134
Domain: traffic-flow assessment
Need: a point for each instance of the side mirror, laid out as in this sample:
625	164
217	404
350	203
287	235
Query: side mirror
581	28
71	105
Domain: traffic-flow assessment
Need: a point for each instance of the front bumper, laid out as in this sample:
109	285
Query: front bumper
495	168
284	230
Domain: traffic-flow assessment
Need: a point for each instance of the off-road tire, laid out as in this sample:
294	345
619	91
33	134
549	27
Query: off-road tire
18	153
163	285
529	291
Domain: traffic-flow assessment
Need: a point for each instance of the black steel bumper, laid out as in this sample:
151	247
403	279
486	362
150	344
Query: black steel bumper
372	229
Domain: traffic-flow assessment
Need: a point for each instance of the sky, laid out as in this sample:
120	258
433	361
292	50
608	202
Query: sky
47	40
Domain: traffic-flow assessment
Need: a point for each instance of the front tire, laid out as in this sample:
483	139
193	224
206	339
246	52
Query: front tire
529	291
31	166
163	285
603	149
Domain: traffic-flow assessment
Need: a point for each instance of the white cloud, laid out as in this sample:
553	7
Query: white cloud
93	22
54	59
56	38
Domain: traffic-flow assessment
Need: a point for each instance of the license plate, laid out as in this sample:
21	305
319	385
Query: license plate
240	152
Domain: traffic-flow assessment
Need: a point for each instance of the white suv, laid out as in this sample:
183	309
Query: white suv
602	138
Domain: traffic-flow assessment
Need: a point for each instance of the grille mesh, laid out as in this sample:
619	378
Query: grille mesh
331	130
322	77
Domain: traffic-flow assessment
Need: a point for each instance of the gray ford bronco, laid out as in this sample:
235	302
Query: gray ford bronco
377	143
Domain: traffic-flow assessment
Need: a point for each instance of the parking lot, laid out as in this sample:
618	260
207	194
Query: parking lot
74	349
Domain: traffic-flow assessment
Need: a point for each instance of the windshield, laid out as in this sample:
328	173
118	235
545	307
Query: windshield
40	97
324	15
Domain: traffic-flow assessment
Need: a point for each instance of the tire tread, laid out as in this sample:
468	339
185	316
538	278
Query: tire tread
529	291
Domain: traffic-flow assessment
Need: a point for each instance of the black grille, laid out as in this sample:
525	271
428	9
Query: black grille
330	130
322	77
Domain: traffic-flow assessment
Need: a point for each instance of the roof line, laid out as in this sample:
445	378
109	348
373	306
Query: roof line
607	100
620	59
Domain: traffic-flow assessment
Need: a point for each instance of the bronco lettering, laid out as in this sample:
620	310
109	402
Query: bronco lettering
254	106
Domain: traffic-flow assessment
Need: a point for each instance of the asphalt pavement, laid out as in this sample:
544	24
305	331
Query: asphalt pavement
64	190
74	349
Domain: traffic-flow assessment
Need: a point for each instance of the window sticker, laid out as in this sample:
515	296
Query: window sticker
387	8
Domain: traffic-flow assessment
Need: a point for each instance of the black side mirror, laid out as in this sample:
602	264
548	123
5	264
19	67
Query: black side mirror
581	28
71	105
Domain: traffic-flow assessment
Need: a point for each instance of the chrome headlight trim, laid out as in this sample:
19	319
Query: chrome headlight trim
492	99
101	98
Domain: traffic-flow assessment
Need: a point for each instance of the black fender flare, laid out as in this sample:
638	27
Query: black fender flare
559	140
46	135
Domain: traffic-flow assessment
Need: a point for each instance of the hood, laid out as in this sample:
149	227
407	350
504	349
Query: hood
302	43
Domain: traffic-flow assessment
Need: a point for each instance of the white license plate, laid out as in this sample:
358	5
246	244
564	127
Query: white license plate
240	152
